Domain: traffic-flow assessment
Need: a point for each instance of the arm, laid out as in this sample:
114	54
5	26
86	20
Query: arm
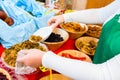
93	16
80	70
76	69
88	16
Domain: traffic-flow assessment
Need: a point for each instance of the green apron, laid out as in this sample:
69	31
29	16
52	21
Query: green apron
109	42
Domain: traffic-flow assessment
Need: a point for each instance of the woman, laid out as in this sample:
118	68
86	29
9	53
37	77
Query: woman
106	63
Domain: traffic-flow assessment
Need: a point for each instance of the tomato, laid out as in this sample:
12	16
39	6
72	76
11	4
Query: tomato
73	57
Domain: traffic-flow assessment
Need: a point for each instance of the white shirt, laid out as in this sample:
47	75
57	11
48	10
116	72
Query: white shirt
79	70
94	16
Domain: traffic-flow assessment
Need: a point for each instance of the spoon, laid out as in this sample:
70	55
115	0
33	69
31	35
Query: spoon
43	32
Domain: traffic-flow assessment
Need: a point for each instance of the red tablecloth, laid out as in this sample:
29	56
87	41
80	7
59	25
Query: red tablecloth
36	75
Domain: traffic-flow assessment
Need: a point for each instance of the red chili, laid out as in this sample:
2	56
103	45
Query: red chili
73	57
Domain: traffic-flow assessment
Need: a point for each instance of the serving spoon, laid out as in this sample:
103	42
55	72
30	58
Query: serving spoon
43	32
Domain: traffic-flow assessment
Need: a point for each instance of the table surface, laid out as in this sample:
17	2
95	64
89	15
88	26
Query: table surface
37	74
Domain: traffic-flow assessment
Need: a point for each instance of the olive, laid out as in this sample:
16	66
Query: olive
54	38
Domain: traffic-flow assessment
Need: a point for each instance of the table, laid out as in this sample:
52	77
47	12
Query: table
37	74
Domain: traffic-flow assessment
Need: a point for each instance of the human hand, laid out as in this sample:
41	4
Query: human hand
33	58
56	20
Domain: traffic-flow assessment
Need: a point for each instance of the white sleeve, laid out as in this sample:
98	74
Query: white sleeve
93	16
80	70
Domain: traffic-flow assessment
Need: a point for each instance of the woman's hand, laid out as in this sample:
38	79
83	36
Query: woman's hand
56	20
32	58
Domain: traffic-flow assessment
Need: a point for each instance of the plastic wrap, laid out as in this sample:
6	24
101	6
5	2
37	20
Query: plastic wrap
21	68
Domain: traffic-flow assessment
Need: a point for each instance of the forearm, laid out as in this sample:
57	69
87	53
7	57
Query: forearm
93	16
80	70
89	16
75	69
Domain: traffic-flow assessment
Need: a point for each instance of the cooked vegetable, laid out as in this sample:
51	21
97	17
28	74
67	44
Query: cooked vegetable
10	54
72	27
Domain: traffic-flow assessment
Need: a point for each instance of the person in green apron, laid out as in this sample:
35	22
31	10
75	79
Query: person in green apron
109	42
106	62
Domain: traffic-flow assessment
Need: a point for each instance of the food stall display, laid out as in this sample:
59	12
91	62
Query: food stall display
82	44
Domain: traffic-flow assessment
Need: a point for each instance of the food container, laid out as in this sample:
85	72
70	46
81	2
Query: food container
55	76
55	45
4	75
9	55
94	30
86	44
75	54
60	4
74	29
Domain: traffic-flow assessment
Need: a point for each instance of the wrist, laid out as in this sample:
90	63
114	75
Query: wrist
42	67
46	57
62	17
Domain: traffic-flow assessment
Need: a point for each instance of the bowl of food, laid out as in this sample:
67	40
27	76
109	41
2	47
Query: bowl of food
55	76
4	75
75	54
86	44
9	55
57	38
74	29
94	30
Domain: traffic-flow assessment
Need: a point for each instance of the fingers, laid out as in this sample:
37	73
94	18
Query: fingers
24	51
56	20
30	55
55	24
25	59
51	21
21	60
